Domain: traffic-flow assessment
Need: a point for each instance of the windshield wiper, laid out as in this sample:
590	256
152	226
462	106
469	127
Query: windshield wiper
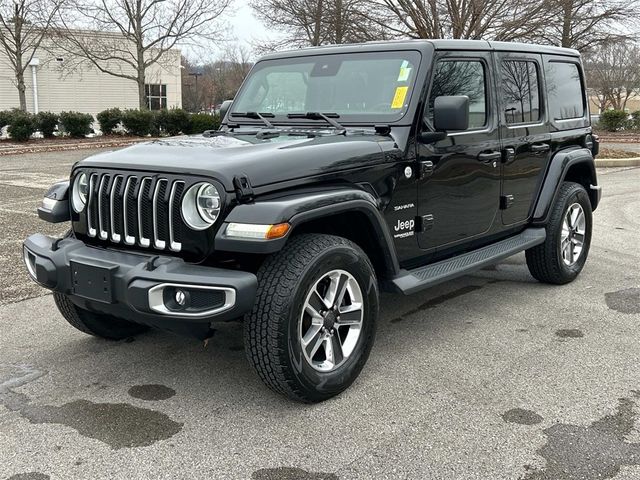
327	117
256	115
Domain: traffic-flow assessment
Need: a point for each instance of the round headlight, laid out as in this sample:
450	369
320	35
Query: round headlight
201	206
79	192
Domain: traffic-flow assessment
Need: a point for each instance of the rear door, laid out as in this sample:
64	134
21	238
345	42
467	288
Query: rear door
459	188
524	130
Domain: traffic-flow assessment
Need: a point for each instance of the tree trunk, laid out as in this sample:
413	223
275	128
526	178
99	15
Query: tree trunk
142	93
19	72
22	89
317	27
567	14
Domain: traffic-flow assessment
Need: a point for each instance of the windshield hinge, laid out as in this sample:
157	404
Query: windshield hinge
244	191
382	129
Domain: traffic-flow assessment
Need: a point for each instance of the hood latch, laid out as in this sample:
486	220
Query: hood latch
244	191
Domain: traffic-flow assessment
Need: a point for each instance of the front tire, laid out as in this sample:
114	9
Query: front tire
96	324
314	320
562	256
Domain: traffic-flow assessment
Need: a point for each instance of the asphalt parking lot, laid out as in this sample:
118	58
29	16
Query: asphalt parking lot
491	376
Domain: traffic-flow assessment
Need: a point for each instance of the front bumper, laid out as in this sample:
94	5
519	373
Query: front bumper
138	287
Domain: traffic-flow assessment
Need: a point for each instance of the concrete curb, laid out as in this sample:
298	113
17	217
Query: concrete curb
617	162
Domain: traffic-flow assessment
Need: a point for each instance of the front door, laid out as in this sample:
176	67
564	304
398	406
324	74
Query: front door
526	141
459	188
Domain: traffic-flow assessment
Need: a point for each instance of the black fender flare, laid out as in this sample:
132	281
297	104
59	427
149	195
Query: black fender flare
299	207
559	166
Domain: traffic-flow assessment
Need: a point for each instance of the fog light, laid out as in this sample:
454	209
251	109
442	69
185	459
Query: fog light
181	297
190	300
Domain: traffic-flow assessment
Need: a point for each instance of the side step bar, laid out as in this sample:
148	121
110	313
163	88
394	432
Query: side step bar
411	281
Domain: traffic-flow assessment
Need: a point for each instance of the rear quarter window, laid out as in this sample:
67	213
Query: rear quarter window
564	91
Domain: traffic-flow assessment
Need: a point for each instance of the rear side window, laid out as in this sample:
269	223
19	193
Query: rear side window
520	91
461	77
564	89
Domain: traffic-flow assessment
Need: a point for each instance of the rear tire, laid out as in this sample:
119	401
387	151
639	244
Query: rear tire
96	324
562	256
314	320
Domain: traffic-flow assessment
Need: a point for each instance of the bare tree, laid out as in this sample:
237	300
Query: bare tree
320	22
585	24
228	73
24	24
505	20
131	35
613	73
217	81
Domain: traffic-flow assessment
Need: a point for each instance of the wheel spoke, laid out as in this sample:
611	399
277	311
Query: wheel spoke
351	315
579	219
566	251
317	302
573	216
579	237
316	318
565	230
570	251
313	340
336	290
333	350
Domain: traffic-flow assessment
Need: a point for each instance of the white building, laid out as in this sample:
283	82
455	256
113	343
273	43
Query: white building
57	81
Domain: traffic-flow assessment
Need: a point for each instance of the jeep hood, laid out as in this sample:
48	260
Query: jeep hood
264	162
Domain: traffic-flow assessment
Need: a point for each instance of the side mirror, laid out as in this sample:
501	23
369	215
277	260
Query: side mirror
224	108
451	113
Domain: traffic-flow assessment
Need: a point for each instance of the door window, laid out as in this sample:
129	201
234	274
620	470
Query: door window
461	77
565	90
520	91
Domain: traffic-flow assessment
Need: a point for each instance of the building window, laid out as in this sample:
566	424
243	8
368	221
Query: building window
461	77
520	91
156	96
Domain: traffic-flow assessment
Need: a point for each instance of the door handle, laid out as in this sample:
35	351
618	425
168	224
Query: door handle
540	147
488	157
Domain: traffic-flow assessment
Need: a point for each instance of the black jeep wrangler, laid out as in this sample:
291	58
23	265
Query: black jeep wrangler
337	171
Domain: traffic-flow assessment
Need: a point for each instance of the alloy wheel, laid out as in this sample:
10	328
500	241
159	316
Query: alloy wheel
331	320
573	234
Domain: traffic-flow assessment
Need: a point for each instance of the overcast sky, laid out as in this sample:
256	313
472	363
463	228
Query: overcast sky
245	27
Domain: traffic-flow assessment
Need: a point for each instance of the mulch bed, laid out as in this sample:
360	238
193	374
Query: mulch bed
619	137
9	147
616	153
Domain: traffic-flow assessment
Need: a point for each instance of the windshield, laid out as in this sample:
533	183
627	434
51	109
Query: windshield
369	87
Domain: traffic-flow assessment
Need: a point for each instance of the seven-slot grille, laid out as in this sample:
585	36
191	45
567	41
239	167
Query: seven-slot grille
135	209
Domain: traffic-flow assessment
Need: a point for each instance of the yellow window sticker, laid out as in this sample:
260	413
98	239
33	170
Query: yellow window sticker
398	98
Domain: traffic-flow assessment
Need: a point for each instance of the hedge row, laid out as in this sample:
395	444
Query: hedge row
614	120
22	125
162	122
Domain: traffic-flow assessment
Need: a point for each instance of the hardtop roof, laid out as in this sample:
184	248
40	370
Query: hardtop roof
425	45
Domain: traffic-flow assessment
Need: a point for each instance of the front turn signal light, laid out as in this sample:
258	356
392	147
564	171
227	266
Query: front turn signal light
277	231
257	232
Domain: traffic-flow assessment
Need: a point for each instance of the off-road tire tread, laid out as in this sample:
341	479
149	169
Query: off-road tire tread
542	259
277	278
